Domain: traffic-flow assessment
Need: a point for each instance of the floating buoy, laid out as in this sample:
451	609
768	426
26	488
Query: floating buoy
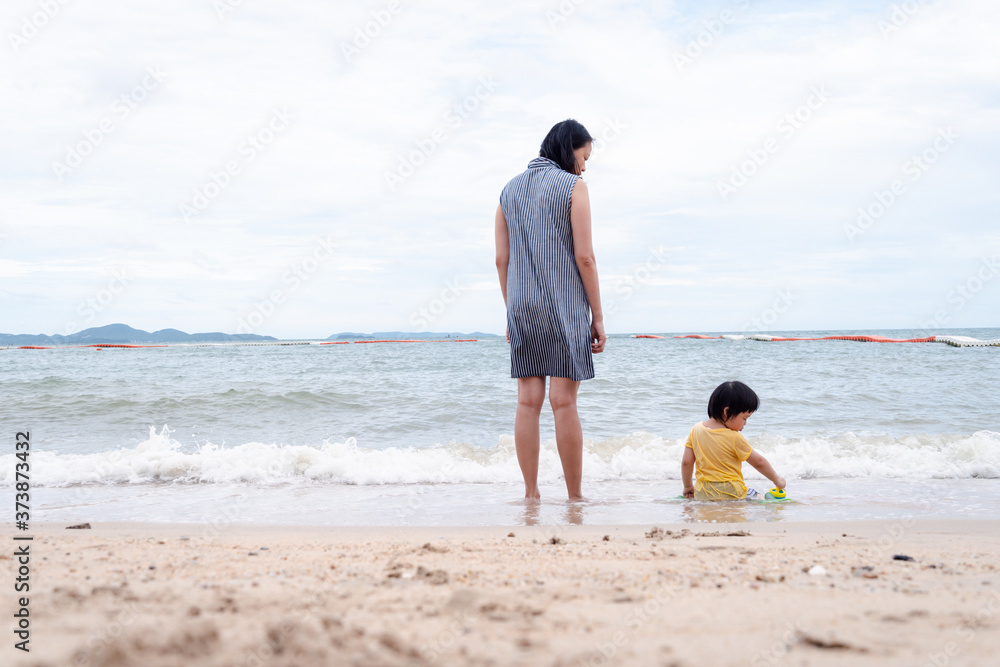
966	341
956	341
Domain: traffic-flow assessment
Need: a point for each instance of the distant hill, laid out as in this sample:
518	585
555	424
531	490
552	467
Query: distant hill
122	333
350	335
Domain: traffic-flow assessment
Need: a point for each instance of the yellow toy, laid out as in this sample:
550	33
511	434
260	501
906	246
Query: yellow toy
775	494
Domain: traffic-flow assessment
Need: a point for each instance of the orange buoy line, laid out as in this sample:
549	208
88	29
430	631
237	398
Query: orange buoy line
780	339
863	339
955	341
647	336
337	342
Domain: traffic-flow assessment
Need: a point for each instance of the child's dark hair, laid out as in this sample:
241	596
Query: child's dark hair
564	138
733	395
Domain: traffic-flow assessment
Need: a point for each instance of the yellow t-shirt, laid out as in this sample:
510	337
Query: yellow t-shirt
719	454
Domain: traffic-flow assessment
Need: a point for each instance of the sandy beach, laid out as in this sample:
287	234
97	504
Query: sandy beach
692	594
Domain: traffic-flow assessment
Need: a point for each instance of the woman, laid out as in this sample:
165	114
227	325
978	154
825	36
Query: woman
548	276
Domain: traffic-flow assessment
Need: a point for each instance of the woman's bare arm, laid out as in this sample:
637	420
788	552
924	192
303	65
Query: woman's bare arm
583	248
503	250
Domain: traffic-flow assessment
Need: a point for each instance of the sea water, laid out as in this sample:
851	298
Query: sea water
421	433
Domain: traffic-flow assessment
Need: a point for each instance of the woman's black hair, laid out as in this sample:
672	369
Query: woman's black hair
733	395
564	138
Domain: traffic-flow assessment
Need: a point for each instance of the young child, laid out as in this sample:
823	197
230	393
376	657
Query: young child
719	449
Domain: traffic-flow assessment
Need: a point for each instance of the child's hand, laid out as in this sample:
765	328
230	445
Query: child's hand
780	483
689	492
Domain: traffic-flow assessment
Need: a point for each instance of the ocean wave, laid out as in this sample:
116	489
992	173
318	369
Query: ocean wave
635	457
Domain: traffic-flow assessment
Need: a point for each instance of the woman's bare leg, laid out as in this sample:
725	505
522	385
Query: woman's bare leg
530	396
569	435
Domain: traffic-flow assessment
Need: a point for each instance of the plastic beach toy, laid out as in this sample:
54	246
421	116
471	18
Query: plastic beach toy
775	494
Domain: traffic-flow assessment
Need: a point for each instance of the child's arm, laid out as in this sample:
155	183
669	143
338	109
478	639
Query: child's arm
687	469
758	461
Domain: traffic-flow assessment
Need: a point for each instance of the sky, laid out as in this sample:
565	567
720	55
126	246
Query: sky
300	169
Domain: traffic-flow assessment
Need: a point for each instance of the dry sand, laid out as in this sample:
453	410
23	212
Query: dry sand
694	594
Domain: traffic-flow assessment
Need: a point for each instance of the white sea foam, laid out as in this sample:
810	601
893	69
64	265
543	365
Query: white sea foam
636	457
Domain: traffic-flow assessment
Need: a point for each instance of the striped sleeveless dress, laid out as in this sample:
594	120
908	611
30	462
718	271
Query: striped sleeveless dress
548	315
